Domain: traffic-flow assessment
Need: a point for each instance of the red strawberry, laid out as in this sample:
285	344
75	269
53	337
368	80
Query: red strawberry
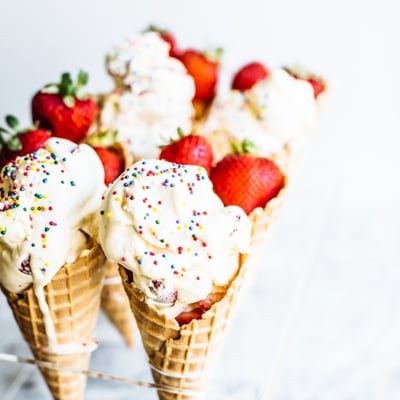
246	180
212	298
168	37
317	83
186	316
204	69
112	162
318	86
191	149
18	142
249	75
64	108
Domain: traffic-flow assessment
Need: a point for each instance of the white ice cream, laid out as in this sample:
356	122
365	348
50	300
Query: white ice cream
153	96
276	111
46	199
164	222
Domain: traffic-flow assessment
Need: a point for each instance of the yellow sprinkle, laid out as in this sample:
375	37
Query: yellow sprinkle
108	214
117	198
155	209
46	264
8	213
188	249
201	226
179	227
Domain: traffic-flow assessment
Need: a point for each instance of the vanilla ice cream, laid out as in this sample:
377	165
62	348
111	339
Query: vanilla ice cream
49	201
153	95
276	111
164	222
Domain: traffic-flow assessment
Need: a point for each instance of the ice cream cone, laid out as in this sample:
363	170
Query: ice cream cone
183	357
201	110
262	218
73	299
64	385
115	304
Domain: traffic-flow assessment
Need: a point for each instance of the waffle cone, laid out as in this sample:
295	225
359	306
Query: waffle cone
201	110
73	298
64	385
183	357
262	218
115	304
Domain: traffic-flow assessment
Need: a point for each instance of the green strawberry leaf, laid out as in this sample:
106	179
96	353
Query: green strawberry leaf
245	147
66	80
14	143
215	54
50	89
12	122
83	78
80	93
103	138
69	100
67	89
248	147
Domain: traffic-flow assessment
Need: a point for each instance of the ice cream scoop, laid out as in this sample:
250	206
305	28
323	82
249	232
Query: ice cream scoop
277	111
163	222
153	95
48	205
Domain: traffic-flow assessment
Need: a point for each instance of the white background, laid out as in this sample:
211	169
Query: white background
338	237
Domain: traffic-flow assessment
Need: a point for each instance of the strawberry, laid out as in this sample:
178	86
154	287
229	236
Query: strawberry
212	298
111	153
186	316
317	83
247	76
16	142
246	180
191	149
64	108
204	68
196	313
112	162
168	37
162	294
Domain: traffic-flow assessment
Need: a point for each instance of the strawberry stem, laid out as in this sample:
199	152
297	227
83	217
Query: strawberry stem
215	54
106	138
67	89
155	28
181	134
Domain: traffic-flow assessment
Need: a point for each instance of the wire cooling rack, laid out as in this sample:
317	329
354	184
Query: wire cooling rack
250	373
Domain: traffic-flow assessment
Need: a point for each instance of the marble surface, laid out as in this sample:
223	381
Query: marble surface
321	319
